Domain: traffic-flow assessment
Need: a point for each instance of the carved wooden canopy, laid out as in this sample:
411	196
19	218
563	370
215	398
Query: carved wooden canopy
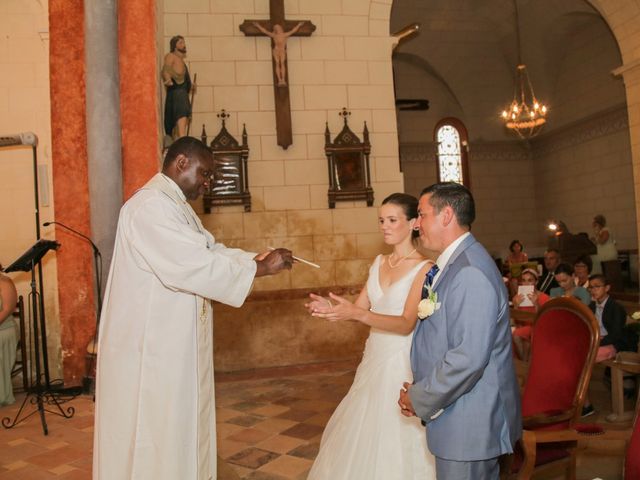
348	163
230	182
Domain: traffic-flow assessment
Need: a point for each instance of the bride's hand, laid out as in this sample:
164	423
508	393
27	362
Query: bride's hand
336	309
319	304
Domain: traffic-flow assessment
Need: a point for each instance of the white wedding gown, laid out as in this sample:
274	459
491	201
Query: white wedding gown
367	438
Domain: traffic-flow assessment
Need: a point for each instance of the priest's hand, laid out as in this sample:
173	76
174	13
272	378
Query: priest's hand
273	262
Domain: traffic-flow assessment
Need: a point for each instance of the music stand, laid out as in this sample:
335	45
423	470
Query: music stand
38	394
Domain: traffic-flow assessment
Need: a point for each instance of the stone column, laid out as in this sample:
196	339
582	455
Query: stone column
103	124
631	76
70	183
139	81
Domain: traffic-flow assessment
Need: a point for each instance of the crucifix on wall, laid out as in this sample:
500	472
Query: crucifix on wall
279	30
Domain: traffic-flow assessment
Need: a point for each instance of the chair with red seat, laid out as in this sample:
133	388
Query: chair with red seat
632	462
563	350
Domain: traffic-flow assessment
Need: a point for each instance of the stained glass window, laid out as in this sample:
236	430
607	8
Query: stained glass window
449	154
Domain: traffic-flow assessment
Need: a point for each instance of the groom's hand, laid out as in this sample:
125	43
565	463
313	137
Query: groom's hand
406	408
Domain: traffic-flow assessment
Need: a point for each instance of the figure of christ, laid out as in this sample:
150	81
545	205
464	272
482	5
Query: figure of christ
279	52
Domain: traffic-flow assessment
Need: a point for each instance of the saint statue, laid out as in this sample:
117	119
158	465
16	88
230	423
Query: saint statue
175	76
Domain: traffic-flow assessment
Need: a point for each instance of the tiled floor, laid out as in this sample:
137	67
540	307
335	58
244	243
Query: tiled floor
269	427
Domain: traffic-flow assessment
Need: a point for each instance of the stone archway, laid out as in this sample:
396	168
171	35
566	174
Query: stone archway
623	17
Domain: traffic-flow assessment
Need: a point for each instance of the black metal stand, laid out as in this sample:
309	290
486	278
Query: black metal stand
39	394
88	381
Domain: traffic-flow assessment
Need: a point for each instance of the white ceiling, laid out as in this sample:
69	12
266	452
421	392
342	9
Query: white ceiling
463	58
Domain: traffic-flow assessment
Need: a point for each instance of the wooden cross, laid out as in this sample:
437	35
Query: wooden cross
279	29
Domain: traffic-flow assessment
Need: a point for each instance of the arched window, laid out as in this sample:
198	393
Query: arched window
452	141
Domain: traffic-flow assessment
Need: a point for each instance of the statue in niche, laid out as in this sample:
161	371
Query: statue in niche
279	51
175	76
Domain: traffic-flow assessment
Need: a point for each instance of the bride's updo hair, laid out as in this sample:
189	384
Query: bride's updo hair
409	205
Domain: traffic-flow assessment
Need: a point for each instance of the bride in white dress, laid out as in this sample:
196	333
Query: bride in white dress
367	438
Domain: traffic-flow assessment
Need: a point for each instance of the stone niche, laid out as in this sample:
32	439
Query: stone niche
273	329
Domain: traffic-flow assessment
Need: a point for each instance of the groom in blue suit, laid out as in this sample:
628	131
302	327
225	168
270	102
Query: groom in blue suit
465	388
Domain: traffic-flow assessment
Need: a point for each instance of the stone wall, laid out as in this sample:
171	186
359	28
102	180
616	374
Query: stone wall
345	63
585	169
25	106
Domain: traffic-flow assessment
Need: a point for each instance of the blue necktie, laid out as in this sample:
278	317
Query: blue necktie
431	274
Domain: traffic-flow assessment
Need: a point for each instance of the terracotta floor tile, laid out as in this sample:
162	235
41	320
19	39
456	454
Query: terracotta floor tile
228	448
249	435
258	475
15	465
224	402
280	443
85	463
241	471
224	430
308	451
223	414
270	410
316	405
286	401
18	441
275	425
76	475
303	430
62	469
320	419
245	420
287	466
30	472
20	452
301	397
59	444
303	475
252	458
57	457
246	406
296	415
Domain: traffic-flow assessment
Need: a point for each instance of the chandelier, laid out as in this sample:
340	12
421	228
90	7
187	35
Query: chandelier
525	115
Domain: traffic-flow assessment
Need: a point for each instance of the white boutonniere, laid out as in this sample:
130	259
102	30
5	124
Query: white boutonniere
429	305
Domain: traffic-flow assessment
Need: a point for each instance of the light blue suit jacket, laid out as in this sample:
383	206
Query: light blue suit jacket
462	362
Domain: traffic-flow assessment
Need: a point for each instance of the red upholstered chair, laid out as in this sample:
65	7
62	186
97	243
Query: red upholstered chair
632	462
563	350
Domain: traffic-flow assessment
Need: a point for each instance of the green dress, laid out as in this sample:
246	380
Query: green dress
8	343
580	293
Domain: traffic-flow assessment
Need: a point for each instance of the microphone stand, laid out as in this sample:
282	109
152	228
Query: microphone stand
97	269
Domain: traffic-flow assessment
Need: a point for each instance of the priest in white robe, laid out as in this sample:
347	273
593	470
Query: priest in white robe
155	412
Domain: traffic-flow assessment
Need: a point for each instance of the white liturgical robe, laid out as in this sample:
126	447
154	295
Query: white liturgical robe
155	412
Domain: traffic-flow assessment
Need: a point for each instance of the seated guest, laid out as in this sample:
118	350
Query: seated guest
612	318
582	269
529	277
566	279
517	254
551	262
8	337
522	335
604	242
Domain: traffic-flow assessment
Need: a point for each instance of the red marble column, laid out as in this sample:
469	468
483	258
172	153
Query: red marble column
138	93
70	183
